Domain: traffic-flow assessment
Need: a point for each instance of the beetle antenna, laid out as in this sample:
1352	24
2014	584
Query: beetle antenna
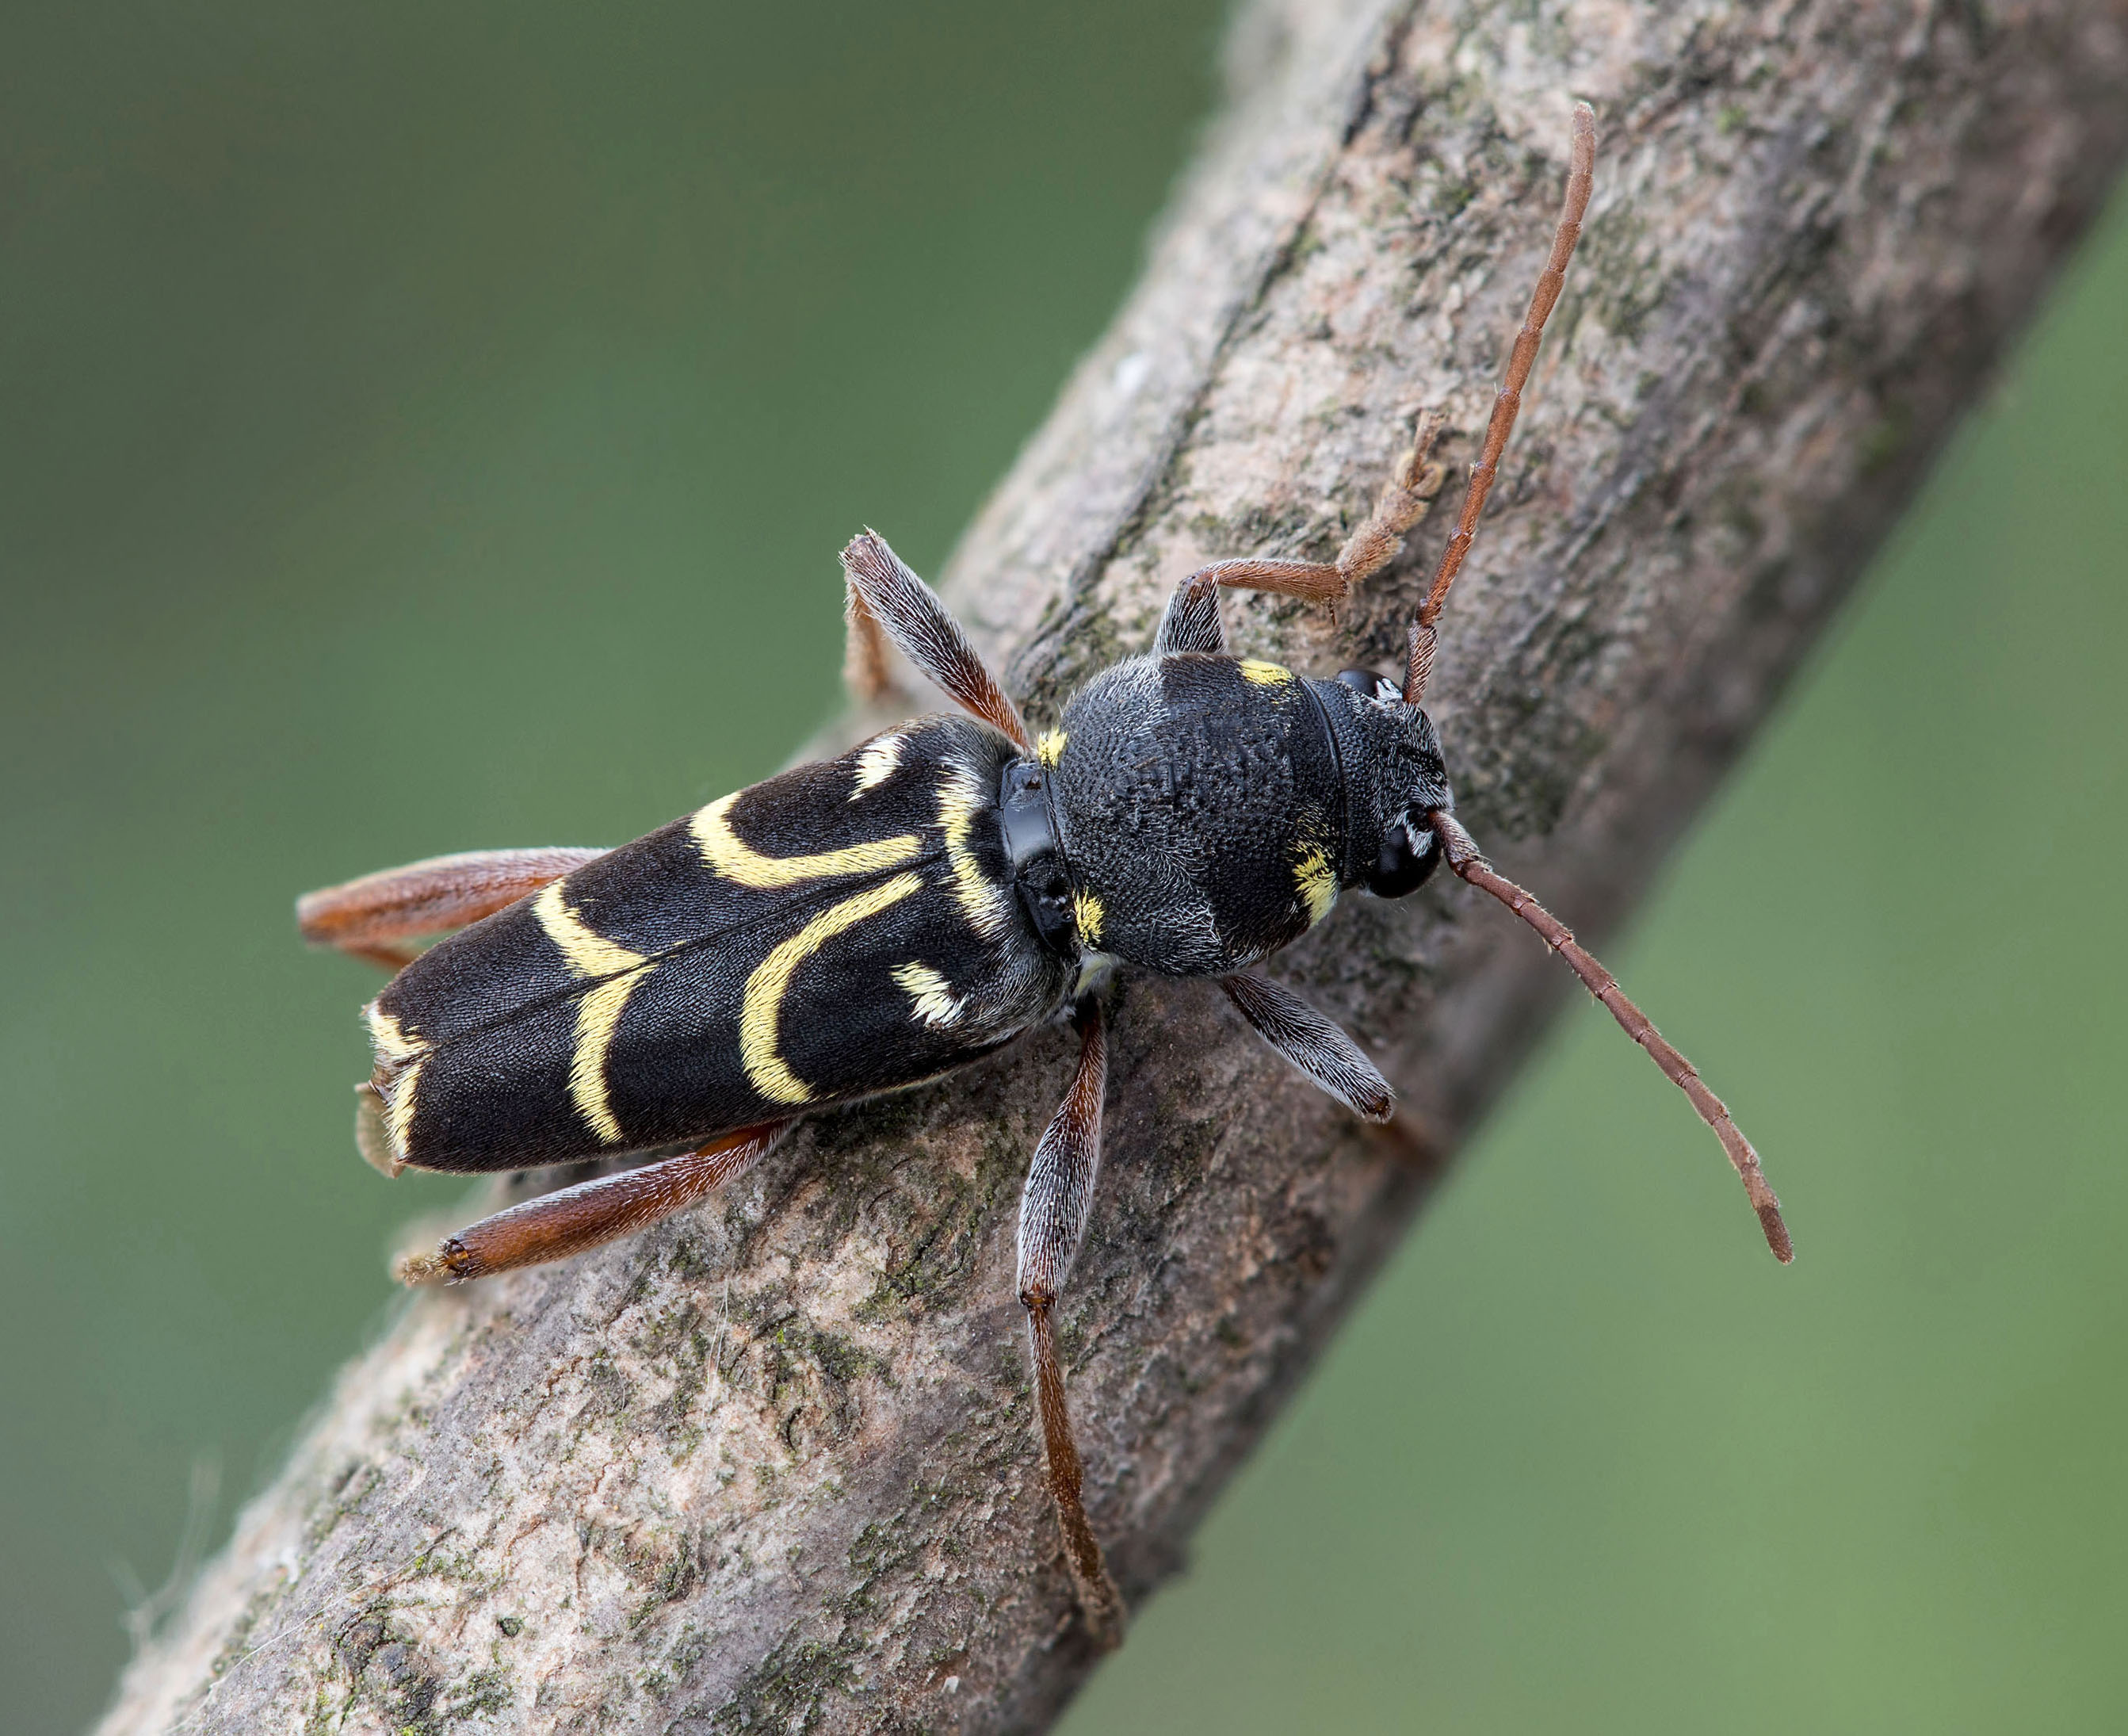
1579	179
1464	857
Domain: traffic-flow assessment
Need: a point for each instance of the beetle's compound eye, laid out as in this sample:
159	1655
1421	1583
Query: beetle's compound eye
1369	685
1404	865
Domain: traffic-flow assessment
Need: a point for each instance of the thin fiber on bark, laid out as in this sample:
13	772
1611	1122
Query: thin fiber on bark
776	1464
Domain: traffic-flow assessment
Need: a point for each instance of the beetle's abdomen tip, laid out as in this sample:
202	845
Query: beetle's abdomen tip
372	1137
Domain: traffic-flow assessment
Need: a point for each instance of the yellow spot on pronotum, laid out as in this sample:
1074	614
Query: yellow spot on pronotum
766	987
1086	913
1050	747
589	954
875	764
734	858
936	1004
1316	885
1265	675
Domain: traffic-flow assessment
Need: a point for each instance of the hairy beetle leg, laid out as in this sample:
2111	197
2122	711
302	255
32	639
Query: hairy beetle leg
362	917
884	592
1314	1044
1052	1218
557	1225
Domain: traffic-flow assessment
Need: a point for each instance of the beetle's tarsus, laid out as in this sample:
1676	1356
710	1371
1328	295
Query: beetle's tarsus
414	1270
1099	1602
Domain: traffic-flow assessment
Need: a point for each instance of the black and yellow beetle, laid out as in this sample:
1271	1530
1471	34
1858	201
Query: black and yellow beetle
863	924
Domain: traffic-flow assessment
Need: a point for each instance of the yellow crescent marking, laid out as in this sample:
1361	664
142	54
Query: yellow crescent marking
598	1014
766	987
875	764
736	860
598	1017
1265	675
1317	885
985	904
936	1003
589	952
1050	747
399	1058
399	1111
1086	913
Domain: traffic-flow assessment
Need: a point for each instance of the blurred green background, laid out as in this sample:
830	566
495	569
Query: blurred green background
428	428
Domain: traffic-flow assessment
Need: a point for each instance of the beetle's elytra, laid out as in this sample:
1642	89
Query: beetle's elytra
863	924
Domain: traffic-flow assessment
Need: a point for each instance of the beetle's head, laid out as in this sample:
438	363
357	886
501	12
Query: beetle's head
1394	777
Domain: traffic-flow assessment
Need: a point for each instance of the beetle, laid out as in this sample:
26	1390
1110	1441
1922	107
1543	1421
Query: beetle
863	924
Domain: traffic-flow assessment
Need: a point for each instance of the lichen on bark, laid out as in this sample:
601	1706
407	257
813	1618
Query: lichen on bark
772	1465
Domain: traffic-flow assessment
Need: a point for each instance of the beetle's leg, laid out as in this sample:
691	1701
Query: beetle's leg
1052	1217
361	916
571	1220
910	614
866	671
1314	1044
1192	621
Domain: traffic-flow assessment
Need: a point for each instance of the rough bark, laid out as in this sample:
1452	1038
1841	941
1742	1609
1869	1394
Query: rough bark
773	1465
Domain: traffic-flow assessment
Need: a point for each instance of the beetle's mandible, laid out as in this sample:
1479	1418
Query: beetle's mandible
860	924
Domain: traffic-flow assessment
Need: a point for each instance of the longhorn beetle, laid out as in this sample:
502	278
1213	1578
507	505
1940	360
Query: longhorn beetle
863	924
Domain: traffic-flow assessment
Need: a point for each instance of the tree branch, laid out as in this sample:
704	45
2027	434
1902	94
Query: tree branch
776	1464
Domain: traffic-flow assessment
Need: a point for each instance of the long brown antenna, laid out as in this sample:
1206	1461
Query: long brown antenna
1464	857
1579	179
